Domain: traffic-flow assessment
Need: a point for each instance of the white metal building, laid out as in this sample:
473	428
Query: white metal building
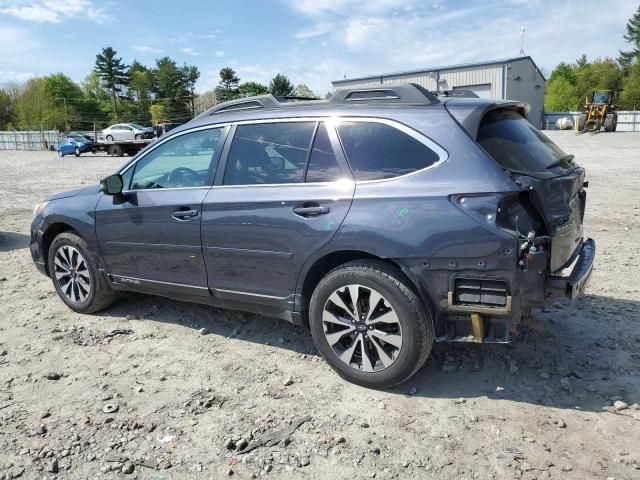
513	78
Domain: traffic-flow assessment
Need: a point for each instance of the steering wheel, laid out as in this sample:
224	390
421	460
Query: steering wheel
182	176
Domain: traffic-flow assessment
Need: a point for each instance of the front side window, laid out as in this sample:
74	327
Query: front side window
183	161
269	153
377	151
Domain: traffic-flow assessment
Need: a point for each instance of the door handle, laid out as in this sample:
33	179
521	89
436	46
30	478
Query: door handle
311	209
184	214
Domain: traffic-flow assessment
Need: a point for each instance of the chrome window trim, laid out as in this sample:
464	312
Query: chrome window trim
442	154
330	121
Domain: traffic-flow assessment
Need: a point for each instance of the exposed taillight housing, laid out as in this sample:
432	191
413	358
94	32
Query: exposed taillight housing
510	212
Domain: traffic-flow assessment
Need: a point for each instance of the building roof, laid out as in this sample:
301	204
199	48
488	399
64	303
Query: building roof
439	69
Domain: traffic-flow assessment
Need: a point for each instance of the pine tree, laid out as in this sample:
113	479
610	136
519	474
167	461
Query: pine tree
227	88
113	73
626	59
280	86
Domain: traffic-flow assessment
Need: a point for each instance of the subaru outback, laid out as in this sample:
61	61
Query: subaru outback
384	219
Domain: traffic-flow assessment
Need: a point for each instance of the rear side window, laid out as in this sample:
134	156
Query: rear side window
323	165
520	147
269	153
376	151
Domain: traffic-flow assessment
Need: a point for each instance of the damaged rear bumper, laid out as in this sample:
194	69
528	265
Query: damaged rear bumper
574	284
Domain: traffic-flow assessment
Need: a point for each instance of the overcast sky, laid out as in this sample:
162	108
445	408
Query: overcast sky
310	41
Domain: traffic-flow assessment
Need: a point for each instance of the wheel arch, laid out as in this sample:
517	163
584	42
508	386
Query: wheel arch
50	233
317	268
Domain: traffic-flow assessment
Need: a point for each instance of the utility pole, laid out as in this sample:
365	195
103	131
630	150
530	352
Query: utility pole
66	125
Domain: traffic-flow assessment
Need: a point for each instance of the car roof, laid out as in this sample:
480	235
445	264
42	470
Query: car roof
379	100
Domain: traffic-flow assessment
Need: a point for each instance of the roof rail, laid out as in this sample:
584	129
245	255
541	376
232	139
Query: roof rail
458	93
401	94
245	103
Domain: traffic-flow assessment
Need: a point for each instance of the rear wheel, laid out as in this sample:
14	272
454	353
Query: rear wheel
75	276
115	151
370	325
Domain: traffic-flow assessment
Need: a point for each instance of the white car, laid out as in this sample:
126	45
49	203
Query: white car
127	131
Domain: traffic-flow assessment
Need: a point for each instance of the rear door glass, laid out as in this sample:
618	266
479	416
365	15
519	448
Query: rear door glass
520	147
376	151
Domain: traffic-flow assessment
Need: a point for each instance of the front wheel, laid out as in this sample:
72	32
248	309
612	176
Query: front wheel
60	154
75	276
109	138
77	152
369	325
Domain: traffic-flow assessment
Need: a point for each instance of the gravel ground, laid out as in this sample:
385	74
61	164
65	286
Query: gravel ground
542	407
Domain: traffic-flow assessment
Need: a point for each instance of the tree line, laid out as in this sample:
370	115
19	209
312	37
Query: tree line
570	83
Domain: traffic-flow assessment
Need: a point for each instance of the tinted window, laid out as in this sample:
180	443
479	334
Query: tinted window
377	151
269	153
520	147
323	166
183	161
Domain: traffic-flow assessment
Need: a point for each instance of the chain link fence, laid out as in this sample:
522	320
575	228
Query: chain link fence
29	140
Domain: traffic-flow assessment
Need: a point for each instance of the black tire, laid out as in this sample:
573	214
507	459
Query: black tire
415	320
101	295
60	154
115	151
138	137
608	123
582	119
76	152
592	126
109	138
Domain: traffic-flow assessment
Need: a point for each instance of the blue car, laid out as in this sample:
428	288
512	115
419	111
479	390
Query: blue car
74	145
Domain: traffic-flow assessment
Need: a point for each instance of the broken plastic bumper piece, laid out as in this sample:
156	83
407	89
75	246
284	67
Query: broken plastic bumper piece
574	284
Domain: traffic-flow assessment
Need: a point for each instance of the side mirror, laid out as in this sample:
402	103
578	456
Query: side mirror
112	185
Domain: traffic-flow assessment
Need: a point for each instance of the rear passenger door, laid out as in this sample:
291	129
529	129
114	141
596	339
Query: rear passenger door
283	193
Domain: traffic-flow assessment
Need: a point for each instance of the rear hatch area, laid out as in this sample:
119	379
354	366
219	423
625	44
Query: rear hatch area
555	183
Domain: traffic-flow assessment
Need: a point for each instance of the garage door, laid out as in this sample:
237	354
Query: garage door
483	91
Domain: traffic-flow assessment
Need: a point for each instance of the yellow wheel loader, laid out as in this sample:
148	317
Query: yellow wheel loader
599	112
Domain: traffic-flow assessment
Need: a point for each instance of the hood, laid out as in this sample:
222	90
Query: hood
90	190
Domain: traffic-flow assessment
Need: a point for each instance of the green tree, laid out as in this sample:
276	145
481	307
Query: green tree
566	71
630	96
158	113
8	112
171	90
303	90
227	88
92	87
560	95
582	61
251	89
140	90
599	75
632	36
113	73
280	86
191	74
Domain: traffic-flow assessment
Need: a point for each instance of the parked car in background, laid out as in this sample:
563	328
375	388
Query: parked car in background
74	144
383	219
162	128
127	131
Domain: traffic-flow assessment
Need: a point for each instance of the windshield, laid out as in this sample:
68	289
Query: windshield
600	97
136	126
520	147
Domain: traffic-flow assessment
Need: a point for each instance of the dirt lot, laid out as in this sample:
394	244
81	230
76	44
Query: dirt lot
539	408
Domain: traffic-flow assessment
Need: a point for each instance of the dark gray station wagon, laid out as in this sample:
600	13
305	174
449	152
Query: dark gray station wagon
384	219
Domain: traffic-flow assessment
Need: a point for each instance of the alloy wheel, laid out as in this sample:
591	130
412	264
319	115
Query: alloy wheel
72	274
362	328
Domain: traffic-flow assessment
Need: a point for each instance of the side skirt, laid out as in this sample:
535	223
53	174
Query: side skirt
268	306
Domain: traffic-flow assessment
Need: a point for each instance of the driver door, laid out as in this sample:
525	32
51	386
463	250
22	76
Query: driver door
149	236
